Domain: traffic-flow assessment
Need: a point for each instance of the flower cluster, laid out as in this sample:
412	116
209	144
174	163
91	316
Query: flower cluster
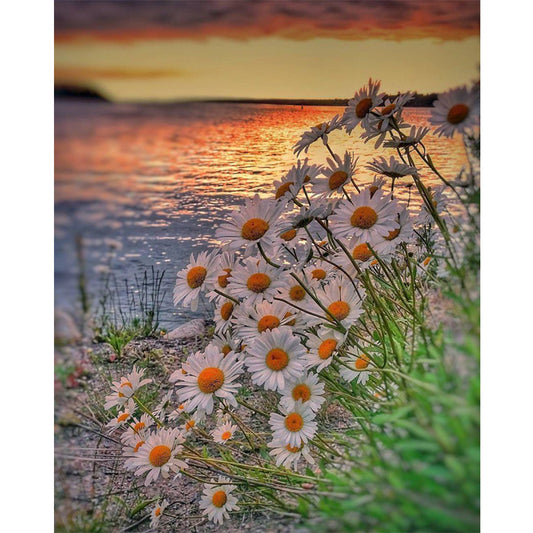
291	285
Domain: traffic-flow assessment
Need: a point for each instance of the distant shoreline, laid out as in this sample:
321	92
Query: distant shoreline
68	93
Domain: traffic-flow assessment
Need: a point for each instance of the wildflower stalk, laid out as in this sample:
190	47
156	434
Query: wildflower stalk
147	411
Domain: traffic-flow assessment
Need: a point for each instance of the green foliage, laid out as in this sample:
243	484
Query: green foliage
83	522
425	475
414	462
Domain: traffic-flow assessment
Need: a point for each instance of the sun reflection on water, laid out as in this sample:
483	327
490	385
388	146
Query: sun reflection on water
160	178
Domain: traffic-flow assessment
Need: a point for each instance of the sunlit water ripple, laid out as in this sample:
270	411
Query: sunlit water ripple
146	185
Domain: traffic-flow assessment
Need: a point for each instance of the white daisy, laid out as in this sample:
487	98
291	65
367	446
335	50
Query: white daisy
392	108
409	139
456	110
391	168
338	175
360	106
208	375
138	429
252	224
176	413
323	347
124	389
293	292
275	357
122	417
224	432
386	119
199	275
225	343
439	201
295	426
342	301
361	254
318	272
255	280
354	367
403	234
299	175
287	455
193	420
223	313
308	389
364	217
377	183
158	455
225	264
217	500
161	410
157	513
320	131
252	320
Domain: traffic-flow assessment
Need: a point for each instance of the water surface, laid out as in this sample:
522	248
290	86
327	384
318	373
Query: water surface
145	185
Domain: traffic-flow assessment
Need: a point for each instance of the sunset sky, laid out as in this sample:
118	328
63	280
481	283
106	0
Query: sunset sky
166	50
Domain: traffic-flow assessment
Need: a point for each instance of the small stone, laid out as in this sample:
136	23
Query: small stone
194	328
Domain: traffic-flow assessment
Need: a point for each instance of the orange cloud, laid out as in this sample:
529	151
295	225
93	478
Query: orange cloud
298	20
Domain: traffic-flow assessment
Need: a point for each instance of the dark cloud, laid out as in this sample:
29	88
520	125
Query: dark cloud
243	19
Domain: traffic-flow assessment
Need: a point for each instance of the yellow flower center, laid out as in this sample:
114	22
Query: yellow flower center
210	380
123	417
224	279
226	310
362	252
373	190
190	424
361	362
196	276
364	217
426	261
318	273
325	350
159	455
283	188
254	229
388	109
226	435
219	498
337	179
138	426
138	445
267	322
339	310
258	282
125	384
294	422
301	392
293	449
458	113
290	322
226	349
288	235
297	293
277	359
158	511
363	107
392	234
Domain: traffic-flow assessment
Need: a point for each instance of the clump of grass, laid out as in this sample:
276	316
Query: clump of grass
128	311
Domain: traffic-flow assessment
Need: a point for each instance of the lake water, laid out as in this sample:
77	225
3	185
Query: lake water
145	185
